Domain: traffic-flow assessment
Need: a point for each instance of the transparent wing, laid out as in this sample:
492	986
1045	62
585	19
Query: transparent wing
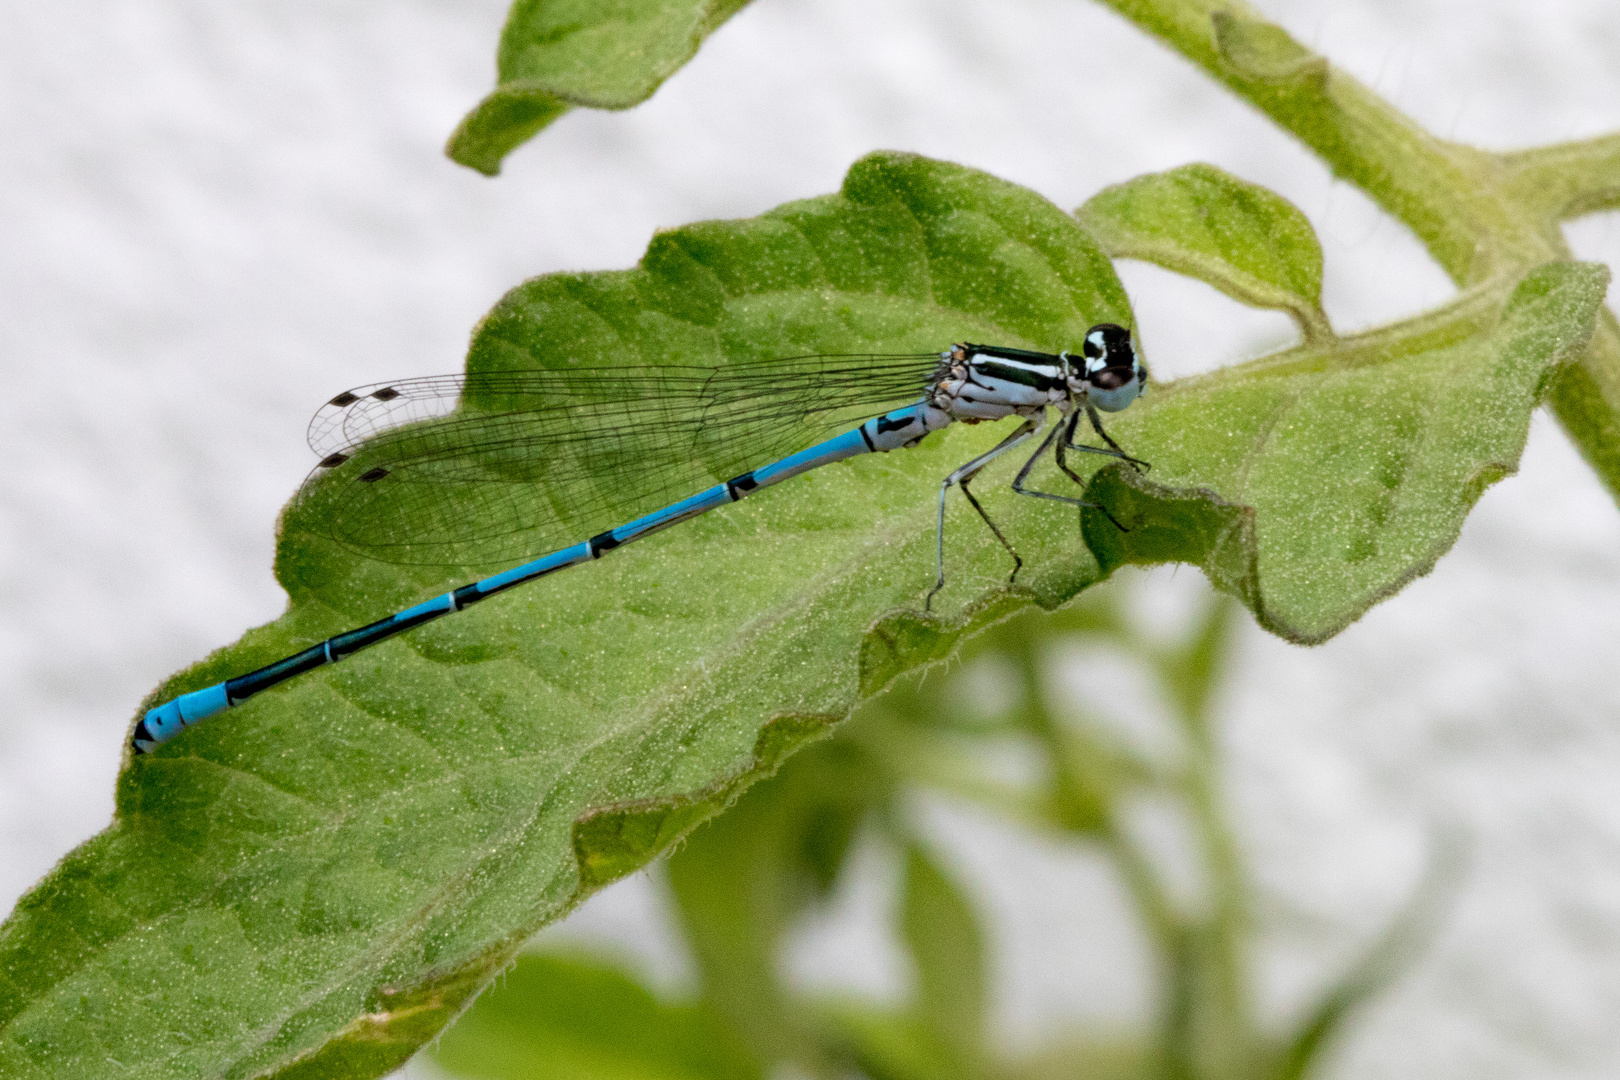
492	469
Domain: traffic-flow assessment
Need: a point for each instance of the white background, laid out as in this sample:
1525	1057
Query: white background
212	217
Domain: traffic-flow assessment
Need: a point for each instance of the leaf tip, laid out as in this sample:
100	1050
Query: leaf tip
510	116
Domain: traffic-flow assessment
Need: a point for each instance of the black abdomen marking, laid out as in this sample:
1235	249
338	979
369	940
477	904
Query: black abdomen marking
738	486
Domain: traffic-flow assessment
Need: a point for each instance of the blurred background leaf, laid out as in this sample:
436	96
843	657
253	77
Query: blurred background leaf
553	1016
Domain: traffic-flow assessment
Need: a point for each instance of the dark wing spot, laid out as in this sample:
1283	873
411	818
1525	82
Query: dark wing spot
387	393
374	475
886	425
343	399
332	461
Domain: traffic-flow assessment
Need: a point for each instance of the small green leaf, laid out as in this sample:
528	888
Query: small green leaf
351	844
600	54
1197	220
942	932
1315	483
556	1016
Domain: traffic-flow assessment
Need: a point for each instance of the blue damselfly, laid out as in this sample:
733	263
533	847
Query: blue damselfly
496	467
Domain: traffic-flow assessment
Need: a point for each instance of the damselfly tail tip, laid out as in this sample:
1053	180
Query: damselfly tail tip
142	740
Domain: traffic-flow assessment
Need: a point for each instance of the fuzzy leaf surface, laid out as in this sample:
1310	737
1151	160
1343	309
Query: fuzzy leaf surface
599	54
313	883
1316	482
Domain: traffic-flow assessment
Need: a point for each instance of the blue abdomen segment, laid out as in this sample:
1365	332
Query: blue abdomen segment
495	583
701	503
903	427
168	720
849	444
887	432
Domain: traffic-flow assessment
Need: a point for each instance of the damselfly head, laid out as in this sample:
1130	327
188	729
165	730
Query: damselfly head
1113	375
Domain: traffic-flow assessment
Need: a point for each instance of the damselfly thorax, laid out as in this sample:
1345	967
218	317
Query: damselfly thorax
975	383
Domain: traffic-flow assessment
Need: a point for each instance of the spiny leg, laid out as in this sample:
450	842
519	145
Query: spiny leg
1067	442
1068	436
1096	424
961	477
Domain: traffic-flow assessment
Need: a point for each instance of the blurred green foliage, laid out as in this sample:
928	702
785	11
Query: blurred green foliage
580	1018
745	881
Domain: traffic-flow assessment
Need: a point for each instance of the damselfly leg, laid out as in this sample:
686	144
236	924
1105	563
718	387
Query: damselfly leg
1096	425
1059	440
961	478
1067	432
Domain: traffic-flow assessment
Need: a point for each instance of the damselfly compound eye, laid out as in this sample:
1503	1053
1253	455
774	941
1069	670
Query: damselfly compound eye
1114	375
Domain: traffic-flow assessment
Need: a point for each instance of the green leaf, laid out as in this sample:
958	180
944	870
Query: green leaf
942	932
326	873
600	54
934	730
557	1016
1315	483
742	881
1197	220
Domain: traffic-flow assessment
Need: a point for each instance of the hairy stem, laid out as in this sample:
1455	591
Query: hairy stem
1566	180
1480	215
